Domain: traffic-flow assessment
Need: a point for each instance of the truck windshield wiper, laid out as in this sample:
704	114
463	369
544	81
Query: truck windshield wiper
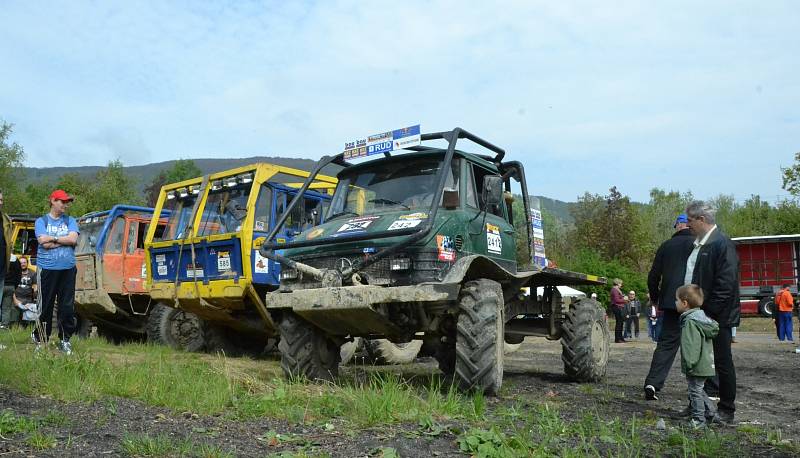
341	214
389	202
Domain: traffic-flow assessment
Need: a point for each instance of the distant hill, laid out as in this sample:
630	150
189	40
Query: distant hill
144	174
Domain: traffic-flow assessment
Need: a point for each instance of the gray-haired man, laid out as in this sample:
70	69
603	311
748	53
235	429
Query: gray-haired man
714	265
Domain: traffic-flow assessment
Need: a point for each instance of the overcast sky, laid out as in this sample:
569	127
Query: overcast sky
701	96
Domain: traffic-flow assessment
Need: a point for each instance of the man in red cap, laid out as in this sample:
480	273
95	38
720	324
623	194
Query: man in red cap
57	234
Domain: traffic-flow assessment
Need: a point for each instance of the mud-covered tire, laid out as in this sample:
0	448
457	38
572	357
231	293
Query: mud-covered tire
585	342
218	340
384	351
306	351
84	328
479	337
176	328
766	307
349	349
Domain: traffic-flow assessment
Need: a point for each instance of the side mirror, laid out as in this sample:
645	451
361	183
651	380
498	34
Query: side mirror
492	191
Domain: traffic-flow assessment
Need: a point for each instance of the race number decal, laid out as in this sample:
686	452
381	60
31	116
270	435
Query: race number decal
404	224
223	261
493	241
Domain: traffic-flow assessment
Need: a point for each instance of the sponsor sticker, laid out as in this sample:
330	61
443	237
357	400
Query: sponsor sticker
161	258
194	271
223	261
404	224
494	243
260	264
445	247
357	224
260	225
144	271
418	215
383	142
162	269
315	233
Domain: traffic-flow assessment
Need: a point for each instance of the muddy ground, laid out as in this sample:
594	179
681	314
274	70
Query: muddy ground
768	395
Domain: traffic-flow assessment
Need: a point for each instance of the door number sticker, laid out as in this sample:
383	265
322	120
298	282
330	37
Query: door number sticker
223	261
493	241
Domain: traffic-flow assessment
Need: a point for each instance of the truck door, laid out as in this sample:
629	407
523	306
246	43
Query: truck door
113	260
133	272
495	238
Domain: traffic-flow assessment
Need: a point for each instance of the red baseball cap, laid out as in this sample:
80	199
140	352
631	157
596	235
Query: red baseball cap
60	194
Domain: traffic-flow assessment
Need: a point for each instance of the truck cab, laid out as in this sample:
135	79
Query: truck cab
206	261
110	287
23	237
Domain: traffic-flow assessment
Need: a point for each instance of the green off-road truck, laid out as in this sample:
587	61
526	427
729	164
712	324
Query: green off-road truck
421	245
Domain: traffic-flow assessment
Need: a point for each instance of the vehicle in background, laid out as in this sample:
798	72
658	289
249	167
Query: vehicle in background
23	237
206	261
765	264
110	286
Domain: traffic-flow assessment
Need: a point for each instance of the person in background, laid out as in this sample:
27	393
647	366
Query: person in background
618	308
25	294
652	319
9	314
733	334
714	265
5	246
785	304
634	308
697	360
57	234
666	276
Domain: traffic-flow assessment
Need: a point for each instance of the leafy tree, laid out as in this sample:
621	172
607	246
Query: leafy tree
182	169
12	156
791	177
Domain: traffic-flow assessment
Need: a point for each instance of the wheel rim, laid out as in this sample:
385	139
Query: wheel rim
599	343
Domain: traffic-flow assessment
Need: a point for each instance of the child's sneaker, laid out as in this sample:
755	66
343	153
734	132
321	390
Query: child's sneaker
697	424
66	347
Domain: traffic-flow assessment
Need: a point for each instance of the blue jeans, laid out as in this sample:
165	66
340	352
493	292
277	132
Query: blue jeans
700	405
785	326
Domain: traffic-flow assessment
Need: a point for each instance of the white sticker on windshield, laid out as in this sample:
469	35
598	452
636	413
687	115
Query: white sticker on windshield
352	226
404	224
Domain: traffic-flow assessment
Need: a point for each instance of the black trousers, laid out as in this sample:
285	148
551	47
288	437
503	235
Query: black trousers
57	285
619	318
725	382
667	347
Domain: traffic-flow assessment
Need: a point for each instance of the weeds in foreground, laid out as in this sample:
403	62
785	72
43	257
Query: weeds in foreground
41	441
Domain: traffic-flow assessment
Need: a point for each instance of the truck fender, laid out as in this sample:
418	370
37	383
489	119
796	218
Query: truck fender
476	266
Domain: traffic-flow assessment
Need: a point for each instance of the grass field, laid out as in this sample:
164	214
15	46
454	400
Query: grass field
240	389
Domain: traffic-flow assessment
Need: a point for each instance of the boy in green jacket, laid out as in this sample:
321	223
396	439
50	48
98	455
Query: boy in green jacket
697	357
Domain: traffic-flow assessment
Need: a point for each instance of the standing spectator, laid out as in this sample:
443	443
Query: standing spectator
10	314
714	265
634	312
697	332
25	294
665	277
733	334
652	320
57	234
785	304
618	307
5	246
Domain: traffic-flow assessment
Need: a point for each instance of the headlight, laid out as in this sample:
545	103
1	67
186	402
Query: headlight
400	264
288	274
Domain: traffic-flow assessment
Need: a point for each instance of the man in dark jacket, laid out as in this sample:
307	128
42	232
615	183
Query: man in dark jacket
665	277
714	266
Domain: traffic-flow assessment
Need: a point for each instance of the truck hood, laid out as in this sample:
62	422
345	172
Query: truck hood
343	227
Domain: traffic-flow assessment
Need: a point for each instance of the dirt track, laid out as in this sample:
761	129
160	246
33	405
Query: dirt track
767	370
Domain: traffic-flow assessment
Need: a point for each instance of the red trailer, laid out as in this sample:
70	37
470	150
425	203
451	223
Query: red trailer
766	263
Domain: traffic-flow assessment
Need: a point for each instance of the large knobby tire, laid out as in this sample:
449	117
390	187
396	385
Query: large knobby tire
585	342
176	328
306	351
383	351
766	307
479	337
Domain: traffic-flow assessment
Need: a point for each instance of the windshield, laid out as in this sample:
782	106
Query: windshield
225	210
180	216
407	185
87	239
